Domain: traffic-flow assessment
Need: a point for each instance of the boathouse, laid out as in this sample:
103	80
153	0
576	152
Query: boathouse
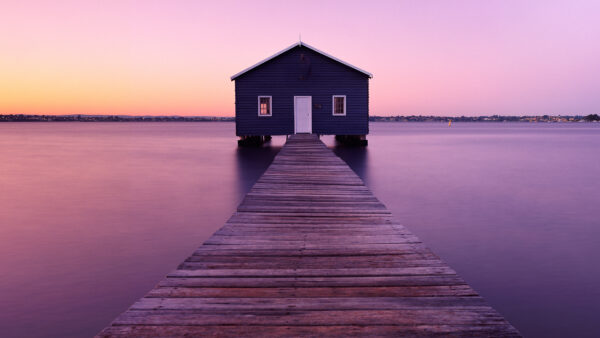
302	90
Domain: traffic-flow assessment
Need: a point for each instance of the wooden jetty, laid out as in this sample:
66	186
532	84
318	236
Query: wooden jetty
311	252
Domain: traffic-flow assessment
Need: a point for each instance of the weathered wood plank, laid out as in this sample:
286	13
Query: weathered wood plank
338	272
310	292
308	304
439	316
318	262
483	330
274	282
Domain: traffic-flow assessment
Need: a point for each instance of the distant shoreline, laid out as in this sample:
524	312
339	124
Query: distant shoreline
111	118
398	118
492	118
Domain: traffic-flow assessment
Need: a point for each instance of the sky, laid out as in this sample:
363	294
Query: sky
176	57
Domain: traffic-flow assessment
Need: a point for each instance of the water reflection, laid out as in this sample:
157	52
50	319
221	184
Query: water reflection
356	157
251	163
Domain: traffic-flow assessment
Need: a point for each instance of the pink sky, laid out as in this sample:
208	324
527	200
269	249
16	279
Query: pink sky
176	57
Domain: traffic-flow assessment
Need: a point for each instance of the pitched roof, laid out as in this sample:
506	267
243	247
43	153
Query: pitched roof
300	44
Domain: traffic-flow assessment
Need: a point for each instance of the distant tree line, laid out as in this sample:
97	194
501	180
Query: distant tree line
491	118
109	118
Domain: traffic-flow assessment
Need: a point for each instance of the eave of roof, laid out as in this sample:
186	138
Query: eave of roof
300	44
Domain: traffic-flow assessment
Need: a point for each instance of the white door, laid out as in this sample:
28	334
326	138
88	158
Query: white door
303	114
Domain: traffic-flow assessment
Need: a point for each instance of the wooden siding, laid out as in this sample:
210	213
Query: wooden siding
311	252
302	72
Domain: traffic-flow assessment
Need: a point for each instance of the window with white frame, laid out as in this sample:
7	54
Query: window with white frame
339	104
265	106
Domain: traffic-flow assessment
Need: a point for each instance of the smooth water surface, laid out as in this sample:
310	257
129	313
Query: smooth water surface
93	215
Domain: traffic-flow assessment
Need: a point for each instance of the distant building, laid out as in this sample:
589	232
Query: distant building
302	90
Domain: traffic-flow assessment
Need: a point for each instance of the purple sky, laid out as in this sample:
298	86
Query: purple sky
175	57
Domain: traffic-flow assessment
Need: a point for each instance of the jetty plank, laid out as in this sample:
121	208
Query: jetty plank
311	252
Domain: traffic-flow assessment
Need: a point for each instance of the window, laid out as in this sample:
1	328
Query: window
339	105
265	106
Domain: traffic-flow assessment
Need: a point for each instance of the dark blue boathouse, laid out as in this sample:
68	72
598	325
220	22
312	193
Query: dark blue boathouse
302	90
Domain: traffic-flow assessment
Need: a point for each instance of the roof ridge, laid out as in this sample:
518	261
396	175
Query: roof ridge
300	44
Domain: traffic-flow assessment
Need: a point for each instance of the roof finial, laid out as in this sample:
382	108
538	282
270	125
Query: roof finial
300	39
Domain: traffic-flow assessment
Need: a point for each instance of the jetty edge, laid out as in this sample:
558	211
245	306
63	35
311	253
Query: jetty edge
311	252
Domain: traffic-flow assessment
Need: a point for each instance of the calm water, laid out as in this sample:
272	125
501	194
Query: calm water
93	215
